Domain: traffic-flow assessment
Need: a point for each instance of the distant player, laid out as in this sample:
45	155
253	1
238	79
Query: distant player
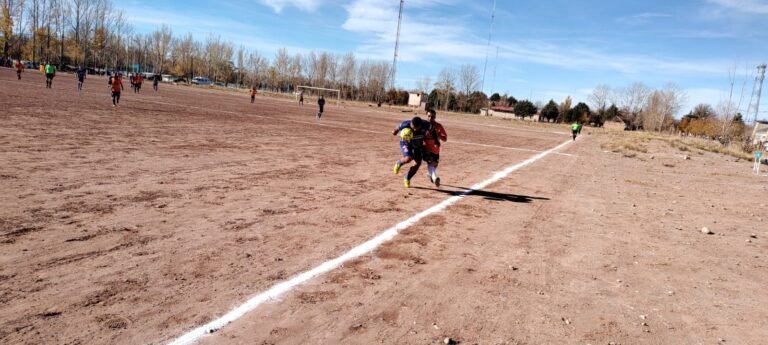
411	146
320	105
432	138
155	81
50	72
137	80
301	97
575	129
253	94
116	85
80	75
19	69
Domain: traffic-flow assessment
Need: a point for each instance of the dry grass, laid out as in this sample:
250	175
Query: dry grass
628	142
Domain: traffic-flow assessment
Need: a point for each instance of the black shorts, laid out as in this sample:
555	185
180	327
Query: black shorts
49	76
431	157
115	93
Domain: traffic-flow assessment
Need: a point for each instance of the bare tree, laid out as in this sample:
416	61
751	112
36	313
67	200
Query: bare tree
424	84
660	108
469	78
161	43
347	72
632	99
600	97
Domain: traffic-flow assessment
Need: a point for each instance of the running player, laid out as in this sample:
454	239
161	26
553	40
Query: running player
50	72
80	75
116	85
575	129
320	105
412	149
137	80
253	93
432	139
155	81
19	69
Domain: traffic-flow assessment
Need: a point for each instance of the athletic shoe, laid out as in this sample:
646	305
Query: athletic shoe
437	182
397	168
407	183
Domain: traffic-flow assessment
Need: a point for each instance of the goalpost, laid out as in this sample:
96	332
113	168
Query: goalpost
320	90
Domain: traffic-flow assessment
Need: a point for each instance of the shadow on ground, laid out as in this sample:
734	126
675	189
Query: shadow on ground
485	194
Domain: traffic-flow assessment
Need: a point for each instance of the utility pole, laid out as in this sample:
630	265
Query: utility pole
397	47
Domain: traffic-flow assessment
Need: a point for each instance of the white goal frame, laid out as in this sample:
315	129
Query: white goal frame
337	91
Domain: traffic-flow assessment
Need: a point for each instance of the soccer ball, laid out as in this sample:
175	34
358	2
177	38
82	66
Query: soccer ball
406	134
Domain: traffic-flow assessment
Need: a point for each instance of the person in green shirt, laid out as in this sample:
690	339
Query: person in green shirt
50	72
575	129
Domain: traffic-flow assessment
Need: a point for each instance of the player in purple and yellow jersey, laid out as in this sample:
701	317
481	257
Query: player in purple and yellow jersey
411	146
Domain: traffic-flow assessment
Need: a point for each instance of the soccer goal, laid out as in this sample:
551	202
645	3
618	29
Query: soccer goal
318	91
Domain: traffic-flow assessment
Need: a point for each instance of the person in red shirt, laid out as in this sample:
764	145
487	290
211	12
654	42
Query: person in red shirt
432	139
137	80
253	93
116	85
19	69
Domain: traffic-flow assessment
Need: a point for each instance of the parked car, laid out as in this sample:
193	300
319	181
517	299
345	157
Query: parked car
201	81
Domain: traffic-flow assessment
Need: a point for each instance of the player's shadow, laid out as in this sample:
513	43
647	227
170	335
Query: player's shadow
485	194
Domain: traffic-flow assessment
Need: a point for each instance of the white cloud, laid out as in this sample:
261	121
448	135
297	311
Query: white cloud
304	5
580	58
746	6
642	17
420	39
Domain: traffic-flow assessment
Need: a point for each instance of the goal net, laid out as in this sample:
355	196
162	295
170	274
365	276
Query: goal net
316	92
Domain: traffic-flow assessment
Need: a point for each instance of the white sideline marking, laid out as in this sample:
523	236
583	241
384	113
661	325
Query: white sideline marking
368	246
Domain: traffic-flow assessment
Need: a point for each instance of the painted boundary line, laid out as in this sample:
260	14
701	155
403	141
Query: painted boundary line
277	290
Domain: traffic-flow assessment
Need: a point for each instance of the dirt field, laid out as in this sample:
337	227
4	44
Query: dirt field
136	224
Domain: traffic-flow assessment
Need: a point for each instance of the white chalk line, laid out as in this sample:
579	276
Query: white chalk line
318	123
362	249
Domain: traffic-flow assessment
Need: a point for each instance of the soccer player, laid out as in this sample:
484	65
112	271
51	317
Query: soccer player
116	85
575	129
80	75
301	97
432	138
320	105
19	69
253	93
137	80
50	72
412	149
155	81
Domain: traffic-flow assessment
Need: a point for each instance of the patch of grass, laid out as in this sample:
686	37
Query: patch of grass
624	142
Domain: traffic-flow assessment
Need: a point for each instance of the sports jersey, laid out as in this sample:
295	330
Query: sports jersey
432	137
50	69
80	74
117	84
418	134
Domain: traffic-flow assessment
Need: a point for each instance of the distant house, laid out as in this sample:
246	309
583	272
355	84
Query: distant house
760	134
417	100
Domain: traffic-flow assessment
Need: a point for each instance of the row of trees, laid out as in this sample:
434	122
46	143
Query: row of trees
94	34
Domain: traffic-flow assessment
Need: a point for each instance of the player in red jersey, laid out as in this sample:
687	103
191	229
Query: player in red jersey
432	139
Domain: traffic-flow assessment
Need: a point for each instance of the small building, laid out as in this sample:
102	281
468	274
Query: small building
760	133
417	100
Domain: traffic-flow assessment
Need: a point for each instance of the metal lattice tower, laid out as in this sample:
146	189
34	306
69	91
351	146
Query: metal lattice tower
397	47
754	103
490	35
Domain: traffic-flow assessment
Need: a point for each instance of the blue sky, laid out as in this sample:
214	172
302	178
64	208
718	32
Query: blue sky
546	49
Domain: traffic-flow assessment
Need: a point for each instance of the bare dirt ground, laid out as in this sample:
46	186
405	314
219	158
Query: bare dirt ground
135	224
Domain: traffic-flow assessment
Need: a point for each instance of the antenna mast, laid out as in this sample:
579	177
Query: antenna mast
397	47
754	103
490	34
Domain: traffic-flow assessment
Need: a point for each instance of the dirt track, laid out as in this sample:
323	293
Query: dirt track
134	224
